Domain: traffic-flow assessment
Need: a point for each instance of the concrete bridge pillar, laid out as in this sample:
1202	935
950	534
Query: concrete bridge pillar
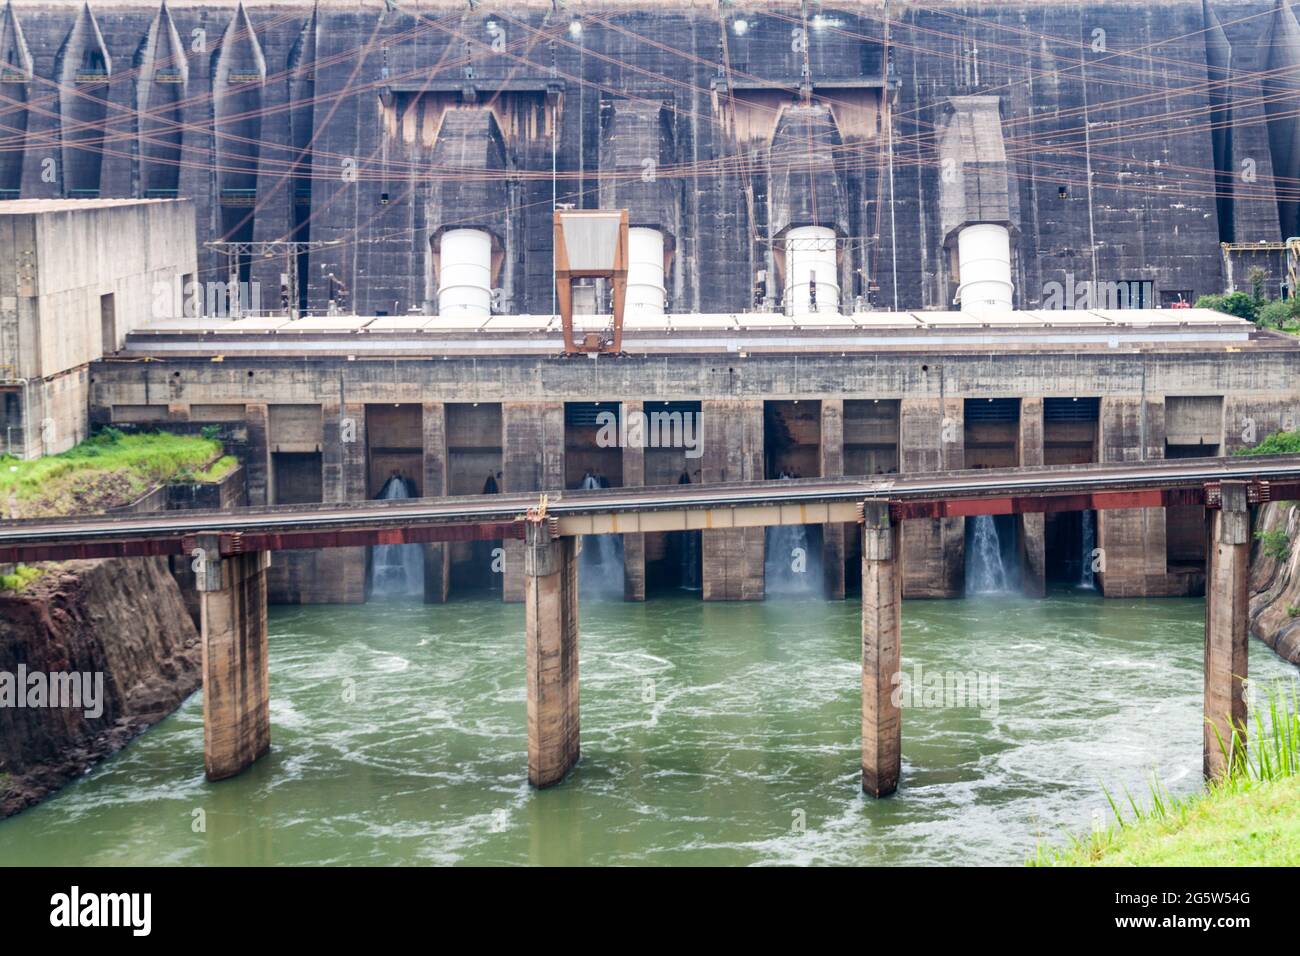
932	438
882	603
1227	608
1032	527
437	557
551	624
1132	540
532	453
732	442
633	544
832	466
236	686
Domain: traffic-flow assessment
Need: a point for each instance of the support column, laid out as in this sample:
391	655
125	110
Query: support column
551	623
437	557
832	466
1032	527
882	602
1227	617
932	435
1132	540
732	442
236	685
532	452
634	544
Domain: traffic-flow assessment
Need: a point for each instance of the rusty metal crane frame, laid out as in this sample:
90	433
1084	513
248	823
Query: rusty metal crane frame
611	342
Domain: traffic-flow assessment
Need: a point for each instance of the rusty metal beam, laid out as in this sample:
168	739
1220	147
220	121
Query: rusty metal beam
1045	504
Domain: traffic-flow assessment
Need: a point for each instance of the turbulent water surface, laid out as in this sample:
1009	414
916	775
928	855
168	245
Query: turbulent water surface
710	734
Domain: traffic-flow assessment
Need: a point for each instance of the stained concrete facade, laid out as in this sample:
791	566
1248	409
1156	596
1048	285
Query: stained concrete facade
1137	136
76	277
456	416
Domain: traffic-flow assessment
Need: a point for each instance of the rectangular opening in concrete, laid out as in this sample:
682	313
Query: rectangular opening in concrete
11	421
593	458
792	439
593	453
992	432
108	323
395	443
1070	430
1193	429
871	436
672	558
296	478
474	467
792	564
1070	433
294	432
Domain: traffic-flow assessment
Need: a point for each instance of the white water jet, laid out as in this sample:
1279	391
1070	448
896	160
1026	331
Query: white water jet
789	569
1089	537
985	571
397	570
690	570
600	565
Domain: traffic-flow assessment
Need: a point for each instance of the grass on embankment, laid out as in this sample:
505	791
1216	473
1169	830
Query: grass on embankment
1251	818
106	471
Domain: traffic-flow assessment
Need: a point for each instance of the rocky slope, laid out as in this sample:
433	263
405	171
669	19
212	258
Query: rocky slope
123	618
1275	584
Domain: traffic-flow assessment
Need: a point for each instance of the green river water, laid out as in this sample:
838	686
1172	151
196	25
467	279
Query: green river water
711	734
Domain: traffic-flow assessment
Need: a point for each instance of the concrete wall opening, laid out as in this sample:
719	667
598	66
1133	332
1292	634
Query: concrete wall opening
474	467
593	458
792	563
1070	430
1193	429
296	477
593	455
395	470
673	558
992	440
294	436
871	436
992	432
108	323
395	443
11	422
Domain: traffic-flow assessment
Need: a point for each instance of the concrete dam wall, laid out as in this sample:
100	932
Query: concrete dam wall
1134	137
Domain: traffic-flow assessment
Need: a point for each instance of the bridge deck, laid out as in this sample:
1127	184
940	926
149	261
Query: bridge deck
671	507
664	508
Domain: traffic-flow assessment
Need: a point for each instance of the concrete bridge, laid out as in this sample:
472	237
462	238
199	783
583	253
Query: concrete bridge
231	552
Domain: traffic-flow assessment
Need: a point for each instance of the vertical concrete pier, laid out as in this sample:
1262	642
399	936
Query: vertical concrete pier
532	453
882	602
437	557
832	466
1032	535
236	685
1226	624
551	622
633	544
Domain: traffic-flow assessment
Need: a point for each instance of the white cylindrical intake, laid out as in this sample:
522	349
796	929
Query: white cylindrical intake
645	271
810	271
465	273
984	263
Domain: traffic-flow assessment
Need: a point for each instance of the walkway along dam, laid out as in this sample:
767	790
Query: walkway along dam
231	574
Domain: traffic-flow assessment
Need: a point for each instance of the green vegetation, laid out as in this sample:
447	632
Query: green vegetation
1279	443
106	471
1276	543
213	473
1255	306
1237	303
1251	817
23	575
